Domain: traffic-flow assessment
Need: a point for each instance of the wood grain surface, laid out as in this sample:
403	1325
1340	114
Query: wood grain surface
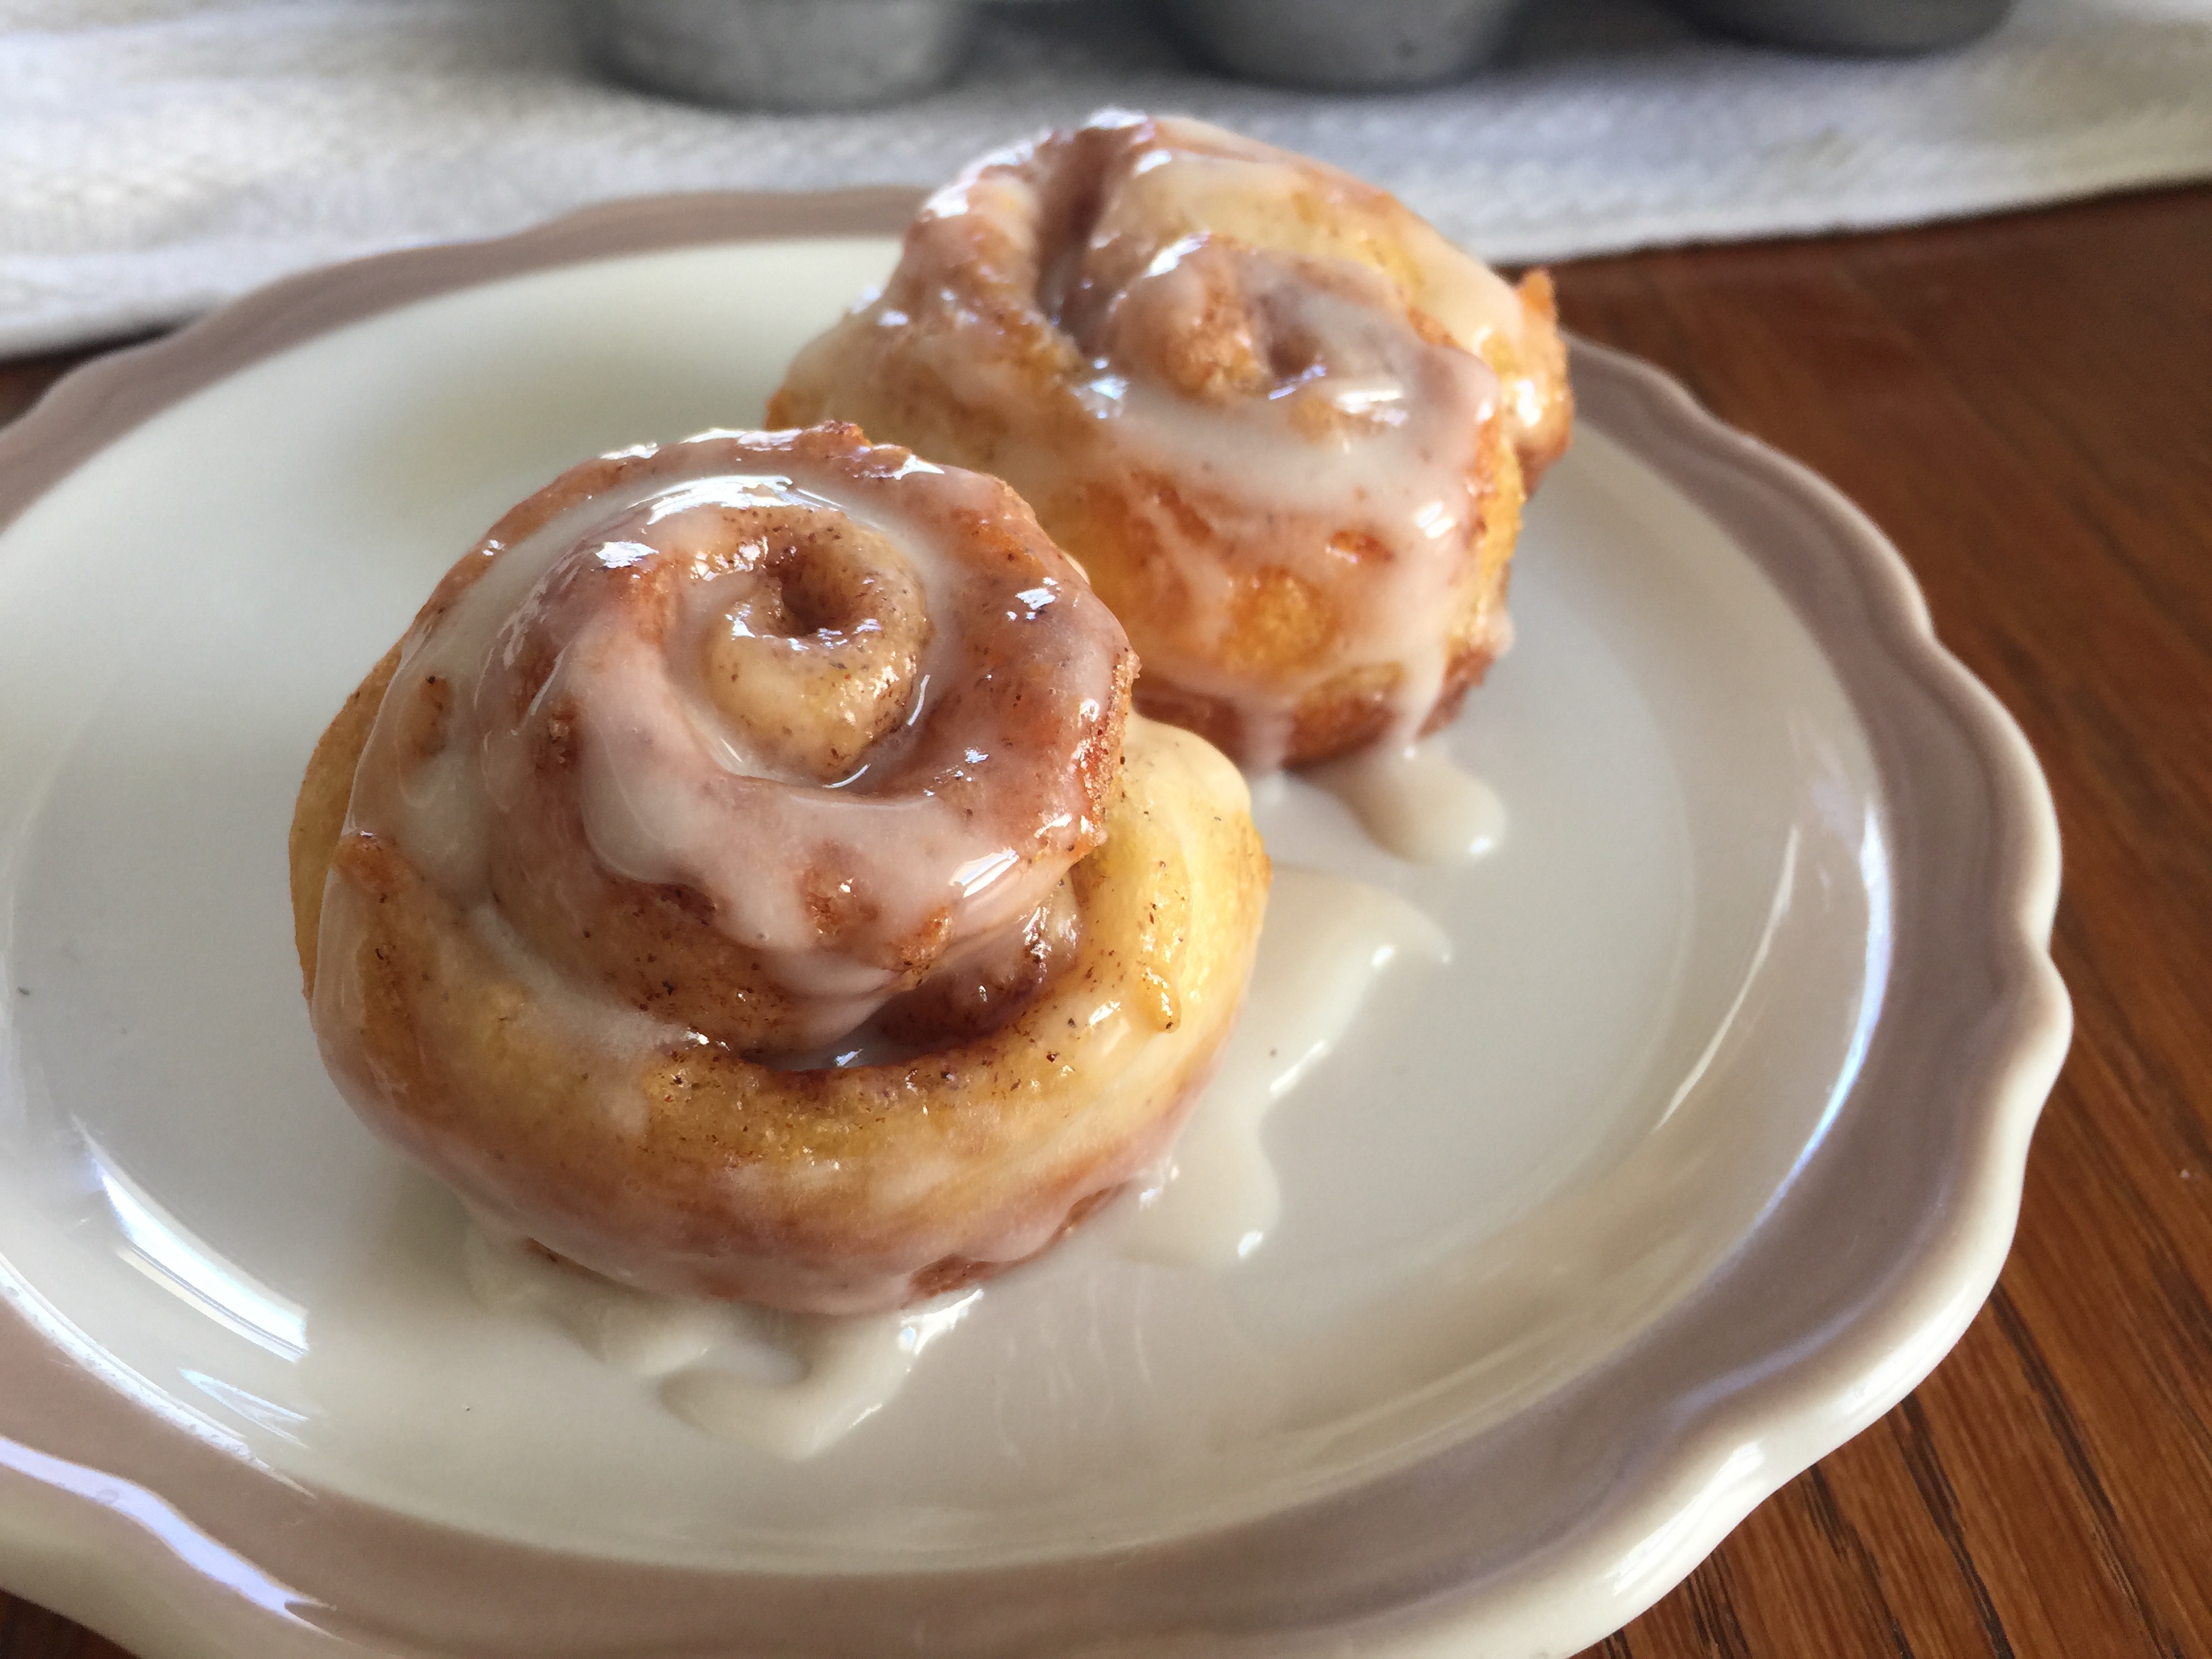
2025	404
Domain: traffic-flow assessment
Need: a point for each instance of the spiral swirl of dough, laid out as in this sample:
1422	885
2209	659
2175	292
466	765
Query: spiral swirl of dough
1285	425
730	801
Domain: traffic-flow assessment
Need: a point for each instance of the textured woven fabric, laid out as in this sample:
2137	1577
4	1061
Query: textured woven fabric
158	157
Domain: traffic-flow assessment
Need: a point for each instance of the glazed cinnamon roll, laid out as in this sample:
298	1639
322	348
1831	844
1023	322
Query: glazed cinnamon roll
744	879
1285	425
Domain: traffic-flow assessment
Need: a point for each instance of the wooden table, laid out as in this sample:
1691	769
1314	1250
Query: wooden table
2025	404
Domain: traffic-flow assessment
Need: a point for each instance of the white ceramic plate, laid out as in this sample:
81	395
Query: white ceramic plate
1700	1154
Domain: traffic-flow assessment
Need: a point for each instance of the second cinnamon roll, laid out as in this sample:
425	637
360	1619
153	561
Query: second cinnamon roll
746	880
1285	425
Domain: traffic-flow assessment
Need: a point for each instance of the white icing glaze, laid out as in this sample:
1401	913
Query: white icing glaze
1417	801
1211	176
787	1384
1240	186
633	1331
949	832
1396	458
1326	941
854	1368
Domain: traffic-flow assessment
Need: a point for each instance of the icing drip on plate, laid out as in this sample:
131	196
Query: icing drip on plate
1327	941
787	1384
794	1385
1417	801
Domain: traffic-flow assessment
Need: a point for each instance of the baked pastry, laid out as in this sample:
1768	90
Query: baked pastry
744	879
1285	426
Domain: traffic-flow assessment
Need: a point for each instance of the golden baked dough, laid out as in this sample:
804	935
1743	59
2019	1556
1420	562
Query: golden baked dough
744	879
1285	426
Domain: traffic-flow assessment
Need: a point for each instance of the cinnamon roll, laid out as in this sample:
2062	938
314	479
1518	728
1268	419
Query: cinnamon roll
1284	424
745	879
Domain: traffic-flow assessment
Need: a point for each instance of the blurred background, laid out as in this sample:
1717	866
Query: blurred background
824	54
159	156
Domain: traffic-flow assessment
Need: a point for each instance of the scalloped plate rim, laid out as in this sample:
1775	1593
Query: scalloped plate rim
101	1547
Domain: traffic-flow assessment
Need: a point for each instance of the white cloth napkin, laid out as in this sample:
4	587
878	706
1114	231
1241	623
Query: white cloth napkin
157	156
